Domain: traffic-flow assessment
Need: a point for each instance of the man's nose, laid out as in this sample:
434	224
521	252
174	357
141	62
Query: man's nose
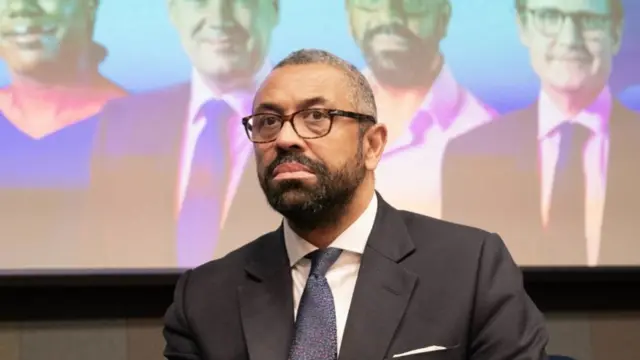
570	33
219	13
391	12
288	138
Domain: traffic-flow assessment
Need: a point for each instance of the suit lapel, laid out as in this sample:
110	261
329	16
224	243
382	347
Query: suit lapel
622	199
249	215
266	300
169	123
515	178
134	177
383	289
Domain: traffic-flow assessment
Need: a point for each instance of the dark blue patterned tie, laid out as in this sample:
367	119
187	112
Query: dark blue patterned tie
201	210
316	335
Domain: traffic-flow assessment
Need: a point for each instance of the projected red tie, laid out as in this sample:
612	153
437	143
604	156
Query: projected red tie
201	211
565	242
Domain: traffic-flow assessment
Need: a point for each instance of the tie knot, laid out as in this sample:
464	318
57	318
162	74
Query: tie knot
216	110
574	133
322	259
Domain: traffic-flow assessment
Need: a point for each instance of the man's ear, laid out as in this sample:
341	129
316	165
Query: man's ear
276	6
170	8
375	141
617	34
445	18
522	29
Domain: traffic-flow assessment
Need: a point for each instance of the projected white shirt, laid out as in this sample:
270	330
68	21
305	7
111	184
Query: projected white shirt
409	174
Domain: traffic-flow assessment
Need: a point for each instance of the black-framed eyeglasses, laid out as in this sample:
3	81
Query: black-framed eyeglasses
412	7
308	123
550	21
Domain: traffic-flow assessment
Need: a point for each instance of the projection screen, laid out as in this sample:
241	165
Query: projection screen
100	117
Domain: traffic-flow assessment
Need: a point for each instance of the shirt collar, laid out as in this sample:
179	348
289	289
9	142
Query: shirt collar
441	101
595	116
353	239
240	101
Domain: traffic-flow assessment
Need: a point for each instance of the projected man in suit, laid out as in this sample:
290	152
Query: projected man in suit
560	178
169	167
418	97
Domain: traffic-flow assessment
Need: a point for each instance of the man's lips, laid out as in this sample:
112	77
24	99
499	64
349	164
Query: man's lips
221	43
28	35
291	170
29	30
390	41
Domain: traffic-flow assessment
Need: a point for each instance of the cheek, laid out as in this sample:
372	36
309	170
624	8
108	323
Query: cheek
422	27
359	25
337	152
538	50
185	22
601	50
264	156
245	17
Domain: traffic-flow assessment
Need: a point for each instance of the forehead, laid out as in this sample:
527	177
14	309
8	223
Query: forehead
601	6
293	84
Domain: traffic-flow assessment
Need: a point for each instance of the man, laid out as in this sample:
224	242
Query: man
53	63
45	128
418	97
169	186
558	179
346	274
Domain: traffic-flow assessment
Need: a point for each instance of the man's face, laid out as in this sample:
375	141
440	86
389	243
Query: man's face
34	34
571	42
334	165
399	38
226	40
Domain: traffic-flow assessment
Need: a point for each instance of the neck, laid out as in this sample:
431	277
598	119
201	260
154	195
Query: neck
224	85
571	103
84	73
322	237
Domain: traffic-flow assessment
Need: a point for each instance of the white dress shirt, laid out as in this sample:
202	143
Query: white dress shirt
595	118
342	275
241	147
454	111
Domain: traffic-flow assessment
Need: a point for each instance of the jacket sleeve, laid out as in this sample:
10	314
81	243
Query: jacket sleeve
179	338
506	324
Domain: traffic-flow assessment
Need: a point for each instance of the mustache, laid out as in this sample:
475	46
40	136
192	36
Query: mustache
391	29
291	157
576	55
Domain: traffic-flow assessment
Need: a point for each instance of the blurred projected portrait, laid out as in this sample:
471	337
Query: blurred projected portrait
54	87
560	178
53	62
172	182
417	95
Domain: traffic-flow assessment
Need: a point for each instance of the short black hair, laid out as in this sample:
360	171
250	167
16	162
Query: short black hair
361	92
